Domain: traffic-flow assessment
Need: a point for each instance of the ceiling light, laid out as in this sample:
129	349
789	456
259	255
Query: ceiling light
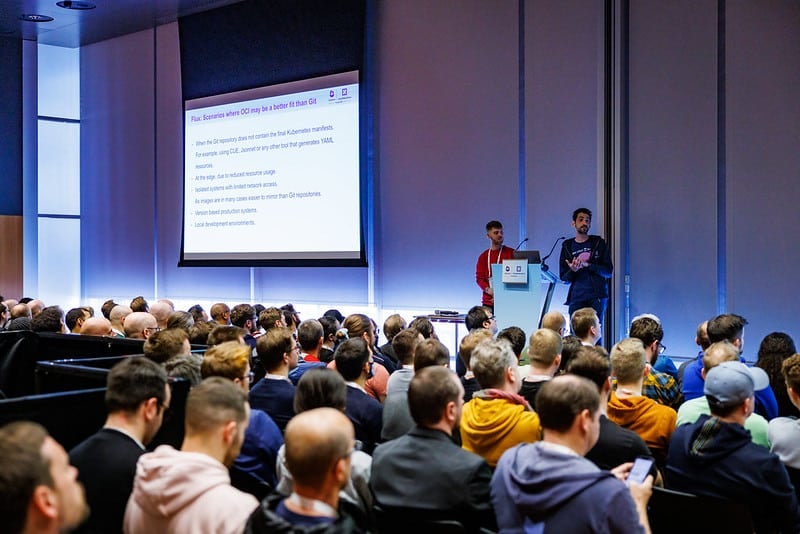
33	17
75	4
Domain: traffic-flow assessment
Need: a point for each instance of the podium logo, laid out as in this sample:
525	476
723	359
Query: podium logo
519	268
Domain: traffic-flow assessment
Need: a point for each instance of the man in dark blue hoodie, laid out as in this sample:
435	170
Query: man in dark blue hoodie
716	457
548	486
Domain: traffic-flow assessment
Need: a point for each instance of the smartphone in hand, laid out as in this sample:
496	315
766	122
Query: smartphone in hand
640	470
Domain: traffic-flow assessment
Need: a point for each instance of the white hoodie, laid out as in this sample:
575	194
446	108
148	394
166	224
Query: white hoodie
183	492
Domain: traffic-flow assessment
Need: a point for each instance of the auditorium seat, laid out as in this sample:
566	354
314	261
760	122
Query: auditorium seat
672	511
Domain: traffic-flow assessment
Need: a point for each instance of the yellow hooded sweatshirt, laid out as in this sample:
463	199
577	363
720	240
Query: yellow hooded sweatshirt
490	426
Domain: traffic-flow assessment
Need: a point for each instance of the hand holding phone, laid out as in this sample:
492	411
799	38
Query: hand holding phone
640	470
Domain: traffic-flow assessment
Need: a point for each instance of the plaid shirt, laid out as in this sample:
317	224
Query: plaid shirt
663	389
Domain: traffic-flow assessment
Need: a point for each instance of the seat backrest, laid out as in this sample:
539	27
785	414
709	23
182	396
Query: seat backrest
70	417
397	521
672	511
172	429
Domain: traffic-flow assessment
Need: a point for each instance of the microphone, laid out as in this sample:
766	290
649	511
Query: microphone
520	244
546	267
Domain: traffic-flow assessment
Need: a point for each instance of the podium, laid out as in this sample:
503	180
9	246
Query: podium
520	304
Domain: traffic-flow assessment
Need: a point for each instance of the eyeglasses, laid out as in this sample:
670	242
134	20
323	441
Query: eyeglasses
153	329
492	318
249	377
661	348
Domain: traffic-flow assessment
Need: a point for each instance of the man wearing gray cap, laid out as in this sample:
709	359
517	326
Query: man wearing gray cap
716	457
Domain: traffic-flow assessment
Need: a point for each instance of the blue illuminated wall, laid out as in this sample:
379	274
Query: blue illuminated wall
447	159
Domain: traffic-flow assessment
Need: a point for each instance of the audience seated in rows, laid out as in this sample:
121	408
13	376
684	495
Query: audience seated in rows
615	445
629	408
549	486
691	410
319	447
310	337
715	456
775	348
274	394
189	490
497	417
423	472
137	396
354	362
657	385
325	388
396	415
263	438
544	354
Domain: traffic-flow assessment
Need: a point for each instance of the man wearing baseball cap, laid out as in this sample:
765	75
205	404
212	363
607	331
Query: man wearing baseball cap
716	457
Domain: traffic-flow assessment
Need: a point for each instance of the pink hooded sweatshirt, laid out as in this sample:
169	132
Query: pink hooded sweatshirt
183	492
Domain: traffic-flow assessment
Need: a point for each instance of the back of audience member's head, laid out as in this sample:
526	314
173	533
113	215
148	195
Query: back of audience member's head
241	313
404	344
701	336
393	325
555	321
180	319
791	373
727	326
562	399
165	344
271	317
716	353
318	444
357	324
647	330
774	348
214	402
329	326
219	310
133	381
583	320
139	325
309	334
544	347
97	326
138	304
569	348
424	326
229	360
50	319
199	332
469	342
118	313
272	345
74	318
20	310
429	393
161	310
491	360
592	366
221	334
198	313
320	387
731	384
516	336
350	358
106	308
336	314
476	316
430	352
628	360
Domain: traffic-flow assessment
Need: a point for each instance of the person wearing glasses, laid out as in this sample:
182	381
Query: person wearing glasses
263	438
660	384
137	396
140	325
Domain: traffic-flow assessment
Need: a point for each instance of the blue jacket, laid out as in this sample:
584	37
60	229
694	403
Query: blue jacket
538	489
718	459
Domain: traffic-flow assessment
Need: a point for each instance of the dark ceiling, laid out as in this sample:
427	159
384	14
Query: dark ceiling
111	18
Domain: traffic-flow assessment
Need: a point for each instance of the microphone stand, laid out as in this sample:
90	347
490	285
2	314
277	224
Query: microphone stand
546	267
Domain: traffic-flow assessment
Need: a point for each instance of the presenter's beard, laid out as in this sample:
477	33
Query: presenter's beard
584	229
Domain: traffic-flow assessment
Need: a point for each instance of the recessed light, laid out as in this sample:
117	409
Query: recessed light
75	4
33	17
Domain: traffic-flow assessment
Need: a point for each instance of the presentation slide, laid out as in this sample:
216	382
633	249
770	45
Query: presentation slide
273	173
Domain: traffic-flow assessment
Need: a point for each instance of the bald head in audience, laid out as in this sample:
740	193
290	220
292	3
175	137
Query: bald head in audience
117	317
36	306
221	313
140	325
318	447
97	326
20	310
161	311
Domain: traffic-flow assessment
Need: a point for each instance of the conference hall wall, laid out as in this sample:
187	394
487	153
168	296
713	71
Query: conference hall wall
450	153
